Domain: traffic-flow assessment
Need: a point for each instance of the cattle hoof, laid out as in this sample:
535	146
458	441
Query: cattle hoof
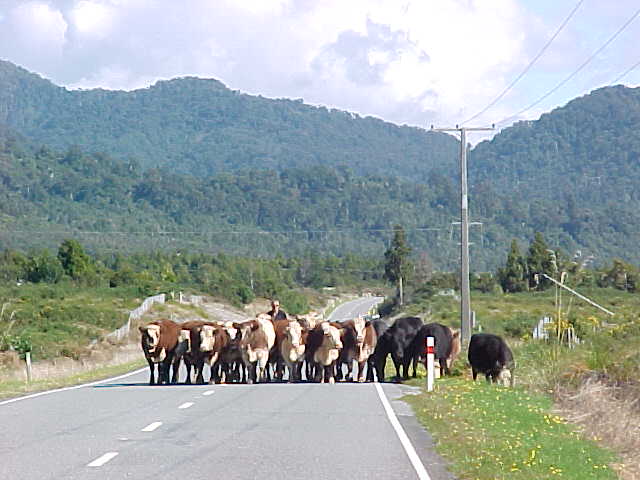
332	381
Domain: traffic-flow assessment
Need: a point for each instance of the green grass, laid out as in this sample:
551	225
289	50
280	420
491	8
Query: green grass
490	432
16	388
61	319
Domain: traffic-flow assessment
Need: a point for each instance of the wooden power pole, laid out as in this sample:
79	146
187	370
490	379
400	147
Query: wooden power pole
465	290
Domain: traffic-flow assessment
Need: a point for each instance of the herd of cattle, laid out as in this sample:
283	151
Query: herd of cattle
309	348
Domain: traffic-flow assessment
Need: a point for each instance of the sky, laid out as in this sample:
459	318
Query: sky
415	62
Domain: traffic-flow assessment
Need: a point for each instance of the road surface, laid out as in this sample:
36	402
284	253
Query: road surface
354	308
122	428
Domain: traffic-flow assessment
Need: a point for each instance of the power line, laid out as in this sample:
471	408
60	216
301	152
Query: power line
575	72
528	67
626	72
215	232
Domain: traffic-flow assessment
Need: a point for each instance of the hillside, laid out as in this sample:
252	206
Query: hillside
572	174
199	126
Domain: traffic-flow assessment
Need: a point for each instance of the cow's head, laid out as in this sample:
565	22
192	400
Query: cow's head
505	378
359	325
293	333
331	336
150	336
207	338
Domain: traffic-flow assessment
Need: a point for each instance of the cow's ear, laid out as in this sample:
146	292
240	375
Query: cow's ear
456	333
255	325
142	329
237	326
367	323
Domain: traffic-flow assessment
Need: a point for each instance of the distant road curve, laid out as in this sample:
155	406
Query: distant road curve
354	308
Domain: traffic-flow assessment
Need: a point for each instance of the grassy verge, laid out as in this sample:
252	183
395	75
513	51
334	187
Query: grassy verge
17	388
490	432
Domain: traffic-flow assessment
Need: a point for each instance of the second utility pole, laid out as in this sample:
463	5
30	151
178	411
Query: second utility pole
465	290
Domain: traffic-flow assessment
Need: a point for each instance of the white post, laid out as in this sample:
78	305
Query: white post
27	357
430	360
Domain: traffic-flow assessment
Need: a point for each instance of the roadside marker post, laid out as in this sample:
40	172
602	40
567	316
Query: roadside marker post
430	360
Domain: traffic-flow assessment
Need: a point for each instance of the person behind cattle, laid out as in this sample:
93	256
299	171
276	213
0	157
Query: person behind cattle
276	313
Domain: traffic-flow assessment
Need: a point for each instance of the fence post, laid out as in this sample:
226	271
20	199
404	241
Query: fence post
27	358
430	359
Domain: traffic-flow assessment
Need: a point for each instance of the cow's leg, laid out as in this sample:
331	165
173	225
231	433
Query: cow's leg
361	377
414	360
176	369
474	373
152	368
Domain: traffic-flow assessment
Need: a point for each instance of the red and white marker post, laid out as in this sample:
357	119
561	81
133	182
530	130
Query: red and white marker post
430	355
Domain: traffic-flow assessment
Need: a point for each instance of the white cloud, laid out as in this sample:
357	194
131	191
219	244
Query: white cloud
408	61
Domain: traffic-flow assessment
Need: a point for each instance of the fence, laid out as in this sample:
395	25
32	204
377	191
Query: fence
136	314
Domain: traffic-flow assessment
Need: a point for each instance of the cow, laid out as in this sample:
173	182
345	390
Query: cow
397	340
309	320
292	348
183	350
379	326
446	346
258	338
231	364
322	351
158	341
489	354
211	340
358	342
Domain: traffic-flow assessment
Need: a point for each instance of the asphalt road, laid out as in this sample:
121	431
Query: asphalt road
353	308
123	428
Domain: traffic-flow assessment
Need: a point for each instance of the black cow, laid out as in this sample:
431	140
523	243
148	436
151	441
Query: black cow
490	355
397	341
380	326
446	345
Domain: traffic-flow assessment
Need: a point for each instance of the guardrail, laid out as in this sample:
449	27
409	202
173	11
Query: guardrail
136	314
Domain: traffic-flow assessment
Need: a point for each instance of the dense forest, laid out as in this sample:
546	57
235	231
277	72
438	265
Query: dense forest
200	127
190	164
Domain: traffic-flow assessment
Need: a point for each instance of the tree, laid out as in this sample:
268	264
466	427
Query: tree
73	258
540	260
397	263
513	276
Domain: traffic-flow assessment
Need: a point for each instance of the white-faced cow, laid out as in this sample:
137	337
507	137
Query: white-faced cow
322	352
258	338
358	342
292	348
158	341
489	354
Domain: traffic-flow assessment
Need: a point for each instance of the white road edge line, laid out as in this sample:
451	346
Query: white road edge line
402	436
186	405
151	427
98	462
207	393
75	387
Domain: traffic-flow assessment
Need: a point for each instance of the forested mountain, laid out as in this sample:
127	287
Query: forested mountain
200	127
191	164
573	174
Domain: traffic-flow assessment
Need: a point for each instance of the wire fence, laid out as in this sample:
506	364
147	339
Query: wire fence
123	332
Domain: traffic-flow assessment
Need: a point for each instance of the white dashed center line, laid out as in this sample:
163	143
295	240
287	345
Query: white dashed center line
185	405
98	462
151	427
207	393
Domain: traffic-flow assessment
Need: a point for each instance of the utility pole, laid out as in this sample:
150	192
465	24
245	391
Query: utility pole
465	290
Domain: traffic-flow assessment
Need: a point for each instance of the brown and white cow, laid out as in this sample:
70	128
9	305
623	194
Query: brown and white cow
210	342
359	341
292	348
158	341
322	352
258	338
